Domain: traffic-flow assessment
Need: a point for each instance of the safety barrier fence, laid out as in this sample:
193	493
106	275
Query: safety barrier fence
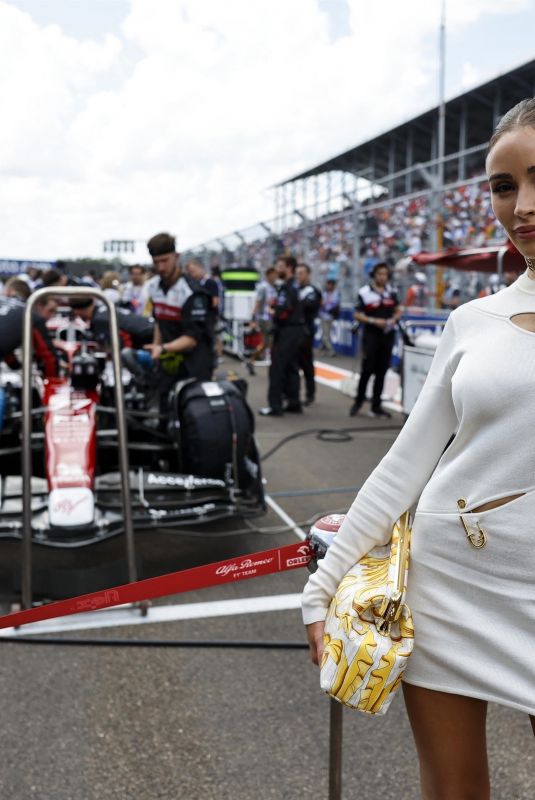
281	559
343	233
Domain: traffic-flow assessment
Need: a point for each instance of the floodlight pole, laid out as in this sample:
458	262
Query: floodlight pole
353	201
442	101
438	192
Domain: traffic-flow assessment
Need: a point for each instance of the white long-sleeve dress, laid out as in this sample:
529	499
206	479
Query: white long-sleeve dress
473	609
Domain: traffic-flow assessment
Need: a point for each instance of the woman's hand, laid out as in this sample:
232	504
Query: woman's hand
315	641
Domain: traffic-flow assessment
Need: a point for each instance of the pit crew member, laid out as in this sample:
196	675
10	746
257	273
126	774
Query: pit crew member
12	306
378	309
183	342
288	334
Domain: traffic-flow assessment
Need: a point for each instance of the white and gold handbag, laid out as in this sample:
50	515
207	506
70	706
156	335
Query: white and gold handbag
369	633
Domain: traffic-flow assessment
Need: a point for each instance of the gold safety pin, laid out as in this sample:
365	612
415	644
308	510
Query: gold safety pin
478	539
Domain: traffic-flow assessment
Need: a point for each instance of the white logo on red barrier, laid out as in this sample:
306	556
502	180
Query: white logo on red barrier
98	601
301	560
245	567
294	562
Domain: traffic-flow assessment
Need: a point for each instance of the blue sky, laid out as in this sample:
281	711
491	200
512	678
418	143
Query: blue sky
125	117
80	18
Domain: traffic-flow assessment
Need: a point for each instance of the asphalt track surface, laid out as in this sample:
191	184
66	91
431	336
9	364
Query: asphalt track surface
203	724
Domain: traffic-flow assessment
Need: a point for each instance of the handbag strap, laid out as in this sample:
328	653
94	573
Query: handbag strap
402	552
391	605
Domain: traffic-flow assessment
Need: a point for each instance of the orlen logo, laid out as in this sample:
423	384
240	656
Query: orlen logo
98	601
66	506
301	560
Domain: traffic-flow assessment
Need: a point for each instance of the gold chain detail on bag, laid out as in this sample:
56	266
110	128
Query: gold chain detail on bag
478	539
369	633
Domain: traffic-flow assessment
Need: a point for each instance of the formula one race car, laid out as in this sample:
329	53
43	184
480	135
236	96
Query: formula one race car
197	465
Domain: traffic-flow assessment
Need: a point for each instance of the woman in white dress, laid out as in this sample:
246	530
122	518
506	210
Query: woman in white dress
473	606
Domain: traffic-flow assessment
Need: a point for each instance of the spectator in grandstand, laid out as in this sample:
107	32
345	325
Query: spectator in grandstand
288	335
133	295
329	311
182	344
418	294
389	232
378	310
265	298
111	286
310	299
452	297
495	285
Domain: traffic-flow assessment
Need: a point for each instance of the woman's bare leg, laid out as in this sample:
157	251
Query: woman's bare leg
449	732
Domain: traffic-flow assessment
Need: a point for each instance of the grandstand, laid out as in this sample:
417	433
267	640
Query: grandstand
380	199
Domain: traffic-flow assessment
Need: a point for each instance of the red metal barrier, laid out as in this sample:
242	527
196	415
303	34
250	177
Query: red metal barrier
251	565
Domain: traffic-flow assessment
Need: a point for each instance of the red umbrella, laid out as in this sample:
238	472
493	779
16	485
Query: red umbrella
480	259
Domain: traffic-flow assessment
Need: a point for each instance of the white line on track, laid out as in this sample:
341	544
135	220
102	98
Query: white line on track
126	617
299	532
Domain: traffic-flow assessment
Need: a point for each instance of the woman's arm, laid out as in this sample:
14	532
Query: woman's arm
394	485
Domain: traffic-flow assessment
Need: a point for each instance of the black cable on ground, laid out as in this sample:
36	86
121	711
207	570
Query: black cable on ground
314	492
157	643
329	435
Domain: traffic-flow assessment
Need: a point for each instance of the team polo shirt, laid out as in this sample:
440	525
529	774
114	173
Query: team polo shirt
375	304
178	309
287	311
310	299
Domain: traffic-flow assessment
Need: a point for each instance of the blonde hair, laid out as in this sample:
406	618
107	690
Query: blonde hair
110	280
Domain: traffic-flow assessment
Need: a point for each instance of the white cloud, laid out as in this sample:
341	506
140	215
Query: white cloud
471	75
223	100
44	77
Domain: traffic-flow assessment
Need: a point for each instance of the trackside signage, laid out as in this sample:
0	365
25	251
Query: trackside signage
252	565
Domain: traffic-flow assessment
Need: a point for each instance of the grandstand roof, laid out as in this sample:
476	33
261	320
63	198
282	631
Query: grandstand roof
479	109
